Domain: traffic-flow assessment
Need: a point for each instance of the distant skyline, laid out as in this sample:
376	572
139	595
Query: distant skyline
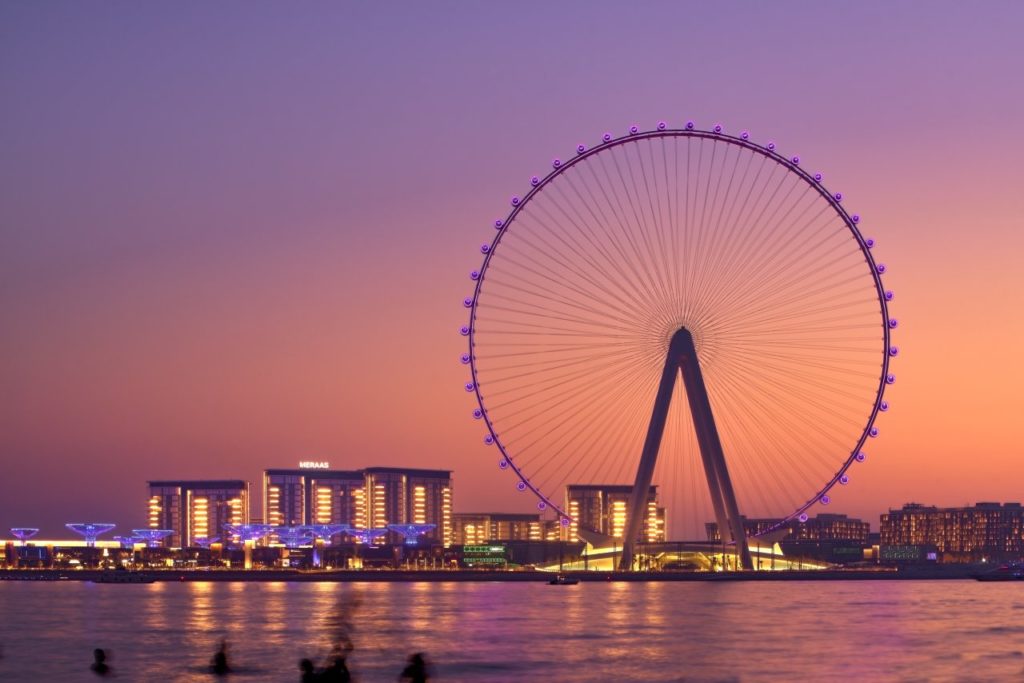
222	225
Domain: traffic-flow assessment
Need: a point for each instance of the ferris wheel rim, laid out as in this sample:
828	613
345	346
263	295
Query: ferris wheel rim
769	151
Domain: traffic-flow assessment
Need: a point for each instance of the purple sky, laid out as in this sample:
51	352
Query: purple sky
234	236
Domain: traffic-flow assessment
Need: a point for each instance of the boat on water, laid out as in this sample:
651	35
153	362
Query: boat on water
1006	572
562	580
123	576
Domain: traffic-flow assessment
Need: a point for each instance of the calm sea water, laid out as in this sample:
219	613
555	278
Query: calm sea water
748	631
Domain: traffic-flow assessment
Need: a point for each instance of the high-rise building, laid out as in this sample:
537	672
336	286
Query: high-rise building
196	510
985	531
472	528
603	508
370	498
397	495
314	495
821	527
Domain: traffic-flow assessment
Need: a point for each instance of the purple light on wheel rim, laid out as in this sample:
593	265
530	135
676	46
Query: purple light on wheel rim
470	386
515	201
489	440
468	302
803	517
499	224
541	505
478	414
873	432
718	128
744	135
890	379
796	161
503	464
633	130
771	146
535	181
825	500
465	359
521	486
893	323
580	149
464	330
861	456
894	351
855	218
883	406
880	268
690	125
485	248
844	480
661	125
564	521
474	275
870	242
607	137
889	295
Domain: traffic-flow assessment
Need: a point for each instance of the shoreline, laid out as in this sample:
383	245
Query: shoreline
947	572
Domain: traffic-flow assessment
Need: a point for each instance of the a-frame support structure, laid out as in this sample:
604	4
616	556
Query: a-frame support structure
682	357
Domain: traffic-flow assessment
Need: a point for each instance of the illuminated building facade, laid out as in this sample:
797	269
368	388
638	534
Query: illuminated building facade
397	495
196	510
371	498
985	531
823	527
314	495
479	528
603	508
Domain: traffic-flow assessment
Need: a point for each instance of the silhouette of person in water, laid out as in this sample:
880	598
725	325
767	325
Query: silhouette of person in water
416	670
99	665
308	674
219	665
337	671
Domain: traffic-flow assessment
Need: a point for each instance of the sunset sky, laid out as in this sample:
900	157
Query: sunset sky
235	236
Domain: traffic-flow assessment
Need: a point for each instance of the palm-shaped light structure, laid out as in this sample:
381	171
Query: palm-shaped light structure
205	542
366	536
23	533
249	532
152	537
127	542
326	531
90	530
411	532
294	536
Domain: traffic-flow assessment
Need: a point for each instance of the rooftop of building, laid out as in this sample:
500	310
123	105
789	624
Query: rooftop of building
918	507
409	471
314	472
610	488
199	483
500	516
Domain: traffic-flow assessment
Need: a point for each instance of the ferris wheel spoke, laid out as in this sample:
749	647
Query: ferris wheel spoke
645	288
578	251
552	254
539	430
583	456
743	250
628	271
643	254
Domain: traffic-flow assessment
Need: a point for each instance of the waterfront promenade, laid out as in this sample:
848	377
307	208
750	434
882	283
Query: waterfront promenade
464	575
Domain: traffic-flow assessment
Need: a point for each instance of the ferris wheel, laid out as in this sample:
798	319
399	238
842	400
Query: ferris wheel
668	252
